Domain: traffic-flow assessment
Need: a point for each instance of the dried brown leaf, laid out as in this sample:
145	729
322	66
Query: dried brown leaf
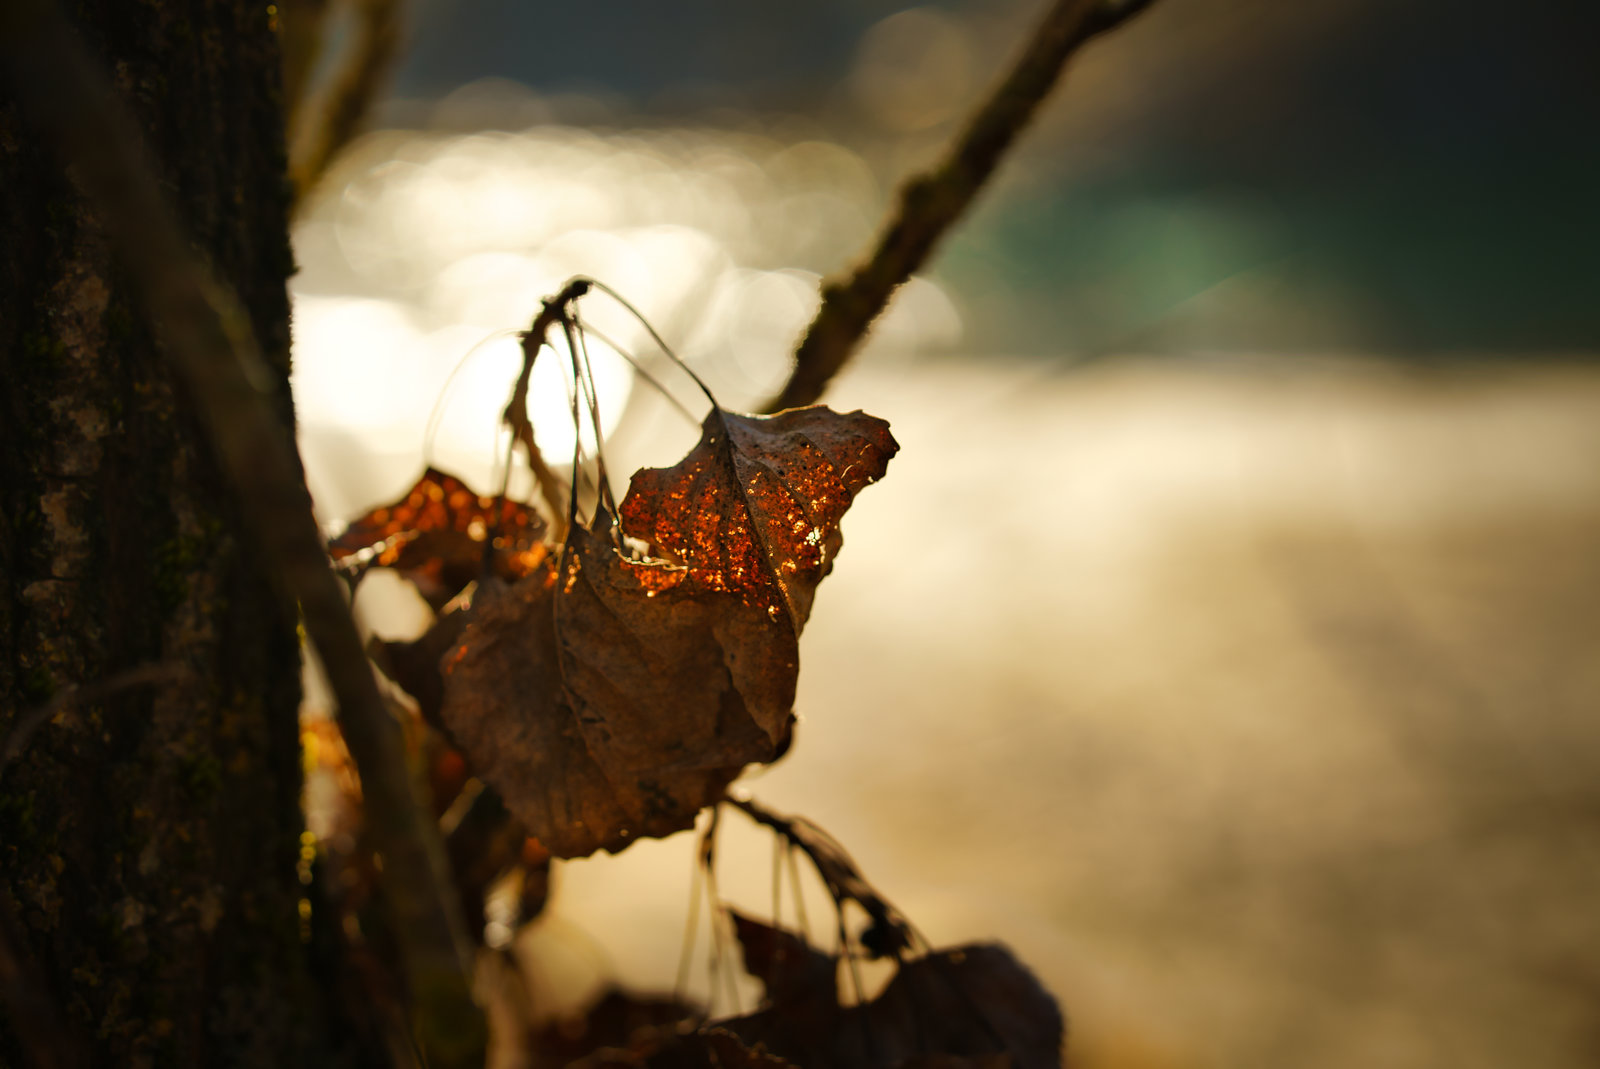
974	1005
505	705
415	664
617	702
791	969
434	535
618	1028
755	506
889	934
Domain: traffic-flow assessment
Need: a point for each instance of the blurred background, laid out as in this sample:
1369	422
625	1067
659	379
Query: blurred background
1225	635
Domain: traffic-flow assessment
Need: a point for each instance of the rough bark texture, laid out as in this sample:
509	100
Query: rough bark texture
148	840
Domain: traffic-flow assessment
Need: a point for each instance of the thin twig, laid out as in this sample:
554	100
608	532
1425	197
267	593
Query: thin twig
798	891
214	352
640	370
930	202
551	311
690	930
891	931
718	916
515	416
430	430
301	28
551	488
29	722
655	336
322	125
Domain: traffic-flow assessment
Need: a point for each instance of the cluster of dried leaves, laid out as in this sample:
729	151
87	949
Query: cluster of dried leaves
609	696
967	1007
609	685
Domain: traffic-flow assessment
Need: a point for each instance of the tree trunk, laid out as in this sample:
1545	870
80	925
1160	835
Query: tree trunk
148	832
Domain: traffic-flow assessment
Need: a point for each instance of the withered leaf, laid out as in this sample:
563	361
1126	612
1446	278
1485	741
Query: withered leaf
889	934
755	506
619	1028
973	1005
434	535
617	701
790	969
507	707
415	664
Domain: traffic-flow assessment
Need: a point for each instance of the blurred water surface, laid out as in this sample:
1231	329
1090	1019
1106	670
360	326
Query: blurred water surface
1251	700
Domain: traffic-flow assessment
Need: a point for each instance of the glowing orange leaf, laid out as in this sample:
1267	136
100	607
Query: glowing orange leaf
434	535
617	702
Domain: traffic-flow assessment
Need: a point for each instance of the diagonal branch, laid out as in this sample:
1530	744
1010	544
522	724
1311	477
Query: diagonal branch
930	202
214	352
301	32
144	675
321	126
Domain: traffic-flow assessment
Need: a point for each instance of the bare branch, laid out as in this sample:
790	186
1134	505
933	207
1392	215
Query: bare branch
930	202
29	722
892	932
214	352
300	36
322	125
515	416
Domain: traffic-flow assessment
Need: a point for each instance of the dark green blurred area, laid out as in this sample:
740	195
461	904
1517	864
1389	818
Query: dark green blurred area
1415	178
1418	258
1420	182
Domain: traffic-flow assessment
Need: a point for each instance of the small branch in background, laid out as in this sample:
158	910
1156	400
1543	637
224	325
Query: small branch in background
300	26
214	353
930	202
515	417
322	125
891	933
29	722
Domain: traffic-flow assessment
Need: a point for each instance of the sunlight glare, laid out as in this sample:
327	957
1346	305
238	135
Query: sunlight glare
354	360
433	241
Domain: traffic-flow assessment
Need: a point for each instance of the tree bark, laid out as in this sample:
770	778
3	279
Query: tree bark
148	833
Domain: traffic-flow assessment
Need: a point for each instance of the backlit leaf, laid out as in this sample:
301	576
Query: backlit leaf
616	700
